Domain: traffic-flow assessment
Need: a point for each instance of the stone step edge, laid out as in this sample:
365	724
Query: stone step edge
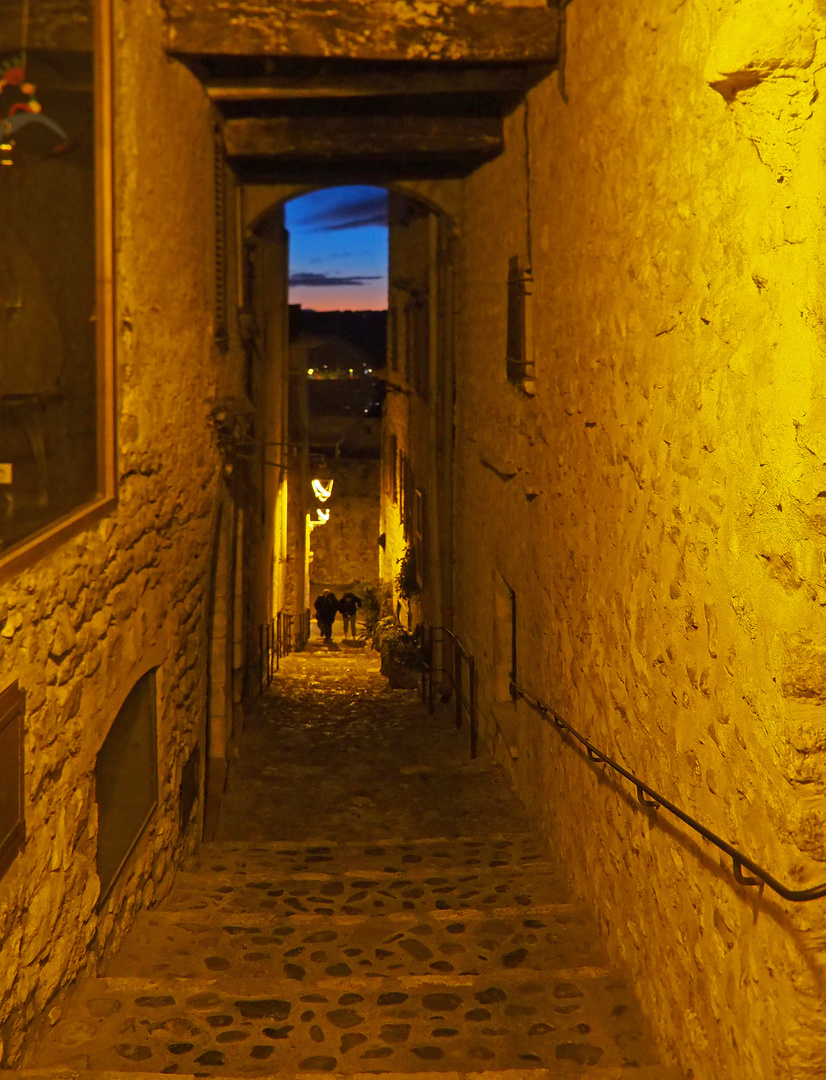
415	872
446	915
413	841
642	1072
281	984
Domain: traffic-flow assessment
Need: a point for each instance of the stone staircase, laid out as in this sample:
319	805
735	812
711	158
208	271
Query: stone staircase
428	957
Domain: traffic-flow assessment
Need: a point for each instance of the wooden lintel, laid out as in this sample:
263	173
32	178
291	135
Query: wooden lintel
379	83
343	138
254	171
378	30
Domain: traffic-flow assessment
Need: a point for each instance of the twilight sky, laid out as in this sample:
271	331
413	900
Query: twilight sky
338	249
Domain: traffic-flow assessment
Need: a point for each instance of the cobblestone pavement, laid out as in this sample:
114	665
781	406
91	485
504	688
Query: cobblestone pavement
334	753
374	902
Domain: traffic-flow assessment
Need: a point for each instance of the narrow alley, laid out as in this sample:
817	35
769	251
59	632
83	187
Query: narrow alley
501	326
374	902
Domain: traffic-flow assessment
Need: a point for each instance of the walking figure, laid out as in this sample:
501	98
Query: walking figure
347	606
326	607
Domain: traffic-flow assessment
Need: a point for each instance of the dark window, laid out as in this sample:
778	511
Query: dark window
417	536
190	782
392	467
520	368
220	192
417	322
126	781
404	508
12	824
393	337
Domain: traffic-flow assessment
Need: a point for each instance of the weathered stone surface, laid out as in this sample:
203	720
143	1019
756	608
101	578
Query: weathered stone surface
358	29
668	579
78	627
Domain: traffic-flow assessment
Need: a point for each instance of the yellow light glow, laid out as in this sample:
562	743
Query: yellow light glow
323	518
323	493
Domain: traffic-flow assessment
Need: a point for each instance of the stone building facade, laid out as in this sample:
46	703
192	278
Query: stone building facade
167	582
636	513
619	455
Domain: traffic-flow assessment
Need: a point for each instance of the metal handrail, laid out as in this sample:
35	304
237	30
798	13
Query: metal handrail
454	674
653	800
283	634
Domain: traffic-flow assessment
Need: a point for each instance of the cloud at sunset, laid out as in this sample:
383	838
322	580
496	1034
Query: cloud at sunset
324	280
338	249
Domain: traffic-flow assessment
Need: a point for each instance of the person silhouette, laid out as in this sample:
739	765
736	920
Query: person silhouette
347	606
326	607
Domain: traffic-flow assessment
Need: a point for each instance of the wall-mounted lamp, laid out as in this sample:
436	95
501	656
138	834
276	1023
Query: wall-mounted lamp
323	493
323	518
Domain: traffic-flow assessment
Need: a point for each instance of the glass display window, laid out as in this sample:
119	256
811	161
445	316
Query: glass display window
56	409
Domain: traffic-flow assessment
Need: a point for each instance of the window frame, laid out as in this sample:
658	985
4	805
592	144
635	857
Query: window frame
42	542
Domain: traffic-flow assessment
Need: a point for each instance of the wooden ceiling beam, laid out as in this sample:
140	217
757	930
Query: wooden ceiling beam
381	83
376	30
352	138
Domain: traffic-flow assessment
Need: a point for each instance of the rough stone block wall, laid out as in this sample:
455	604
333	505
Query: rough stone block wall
346	548
82	624
656	506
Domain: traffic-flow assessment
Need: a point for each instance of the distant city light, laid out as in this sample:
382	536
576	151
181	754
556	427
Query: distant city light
310	370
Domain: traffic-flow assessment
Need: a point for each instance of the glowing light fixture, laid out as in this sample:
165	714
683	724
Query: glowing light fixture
323	518
323	493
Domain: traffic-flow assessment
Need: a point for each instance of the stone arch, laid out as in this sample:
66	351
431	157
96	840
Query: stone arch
410	190
264	219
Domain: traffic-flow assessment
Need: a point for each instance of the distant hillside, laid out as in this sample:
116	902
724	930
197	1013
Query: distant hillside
367	329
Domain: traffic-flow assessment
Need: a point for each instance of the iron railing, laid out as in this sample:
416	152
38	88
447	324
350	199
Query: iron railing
446	656
653	800
284	634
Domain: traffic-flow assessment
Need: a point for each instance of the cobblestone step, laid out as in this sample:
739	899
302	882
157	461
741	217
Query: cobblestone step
644	1072
569	1022
194	944
391	856
367	879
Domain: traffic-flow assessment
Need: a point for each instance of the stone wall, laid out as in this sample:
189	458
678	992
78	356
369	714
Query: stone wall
346	548
656	506
82	624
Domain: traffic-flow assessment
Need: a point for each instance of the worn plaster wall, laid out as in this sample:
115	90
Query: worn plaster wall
657	506
82	624
417	422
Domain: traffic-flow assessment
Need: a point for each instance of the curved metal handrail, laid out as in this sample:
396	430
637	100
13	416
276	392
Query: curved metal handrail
654	800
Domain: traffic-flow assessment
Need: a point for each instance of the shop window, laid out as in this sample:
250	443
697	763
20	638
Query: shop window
56	401
12	822
520	365
126	781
